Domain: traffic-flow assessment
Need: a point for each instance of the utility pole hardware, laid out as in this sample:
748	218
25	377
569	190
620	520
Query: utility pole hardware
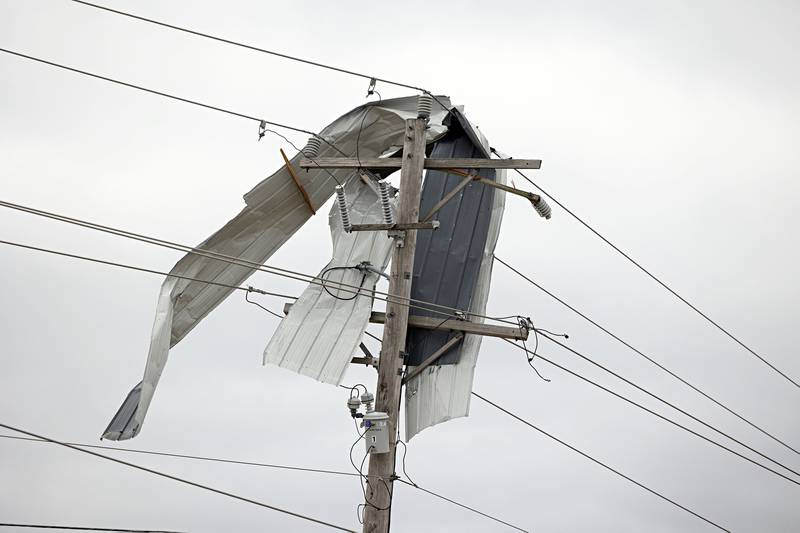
396	320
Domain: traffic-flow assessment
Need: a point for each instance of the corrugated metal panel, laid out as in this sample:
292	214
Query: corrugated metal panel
324	327
447	260
441	393
275	210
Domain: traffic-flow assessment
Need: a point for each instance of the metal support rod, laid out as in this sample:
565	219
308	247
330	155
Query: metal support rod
519	192
377	512
449	196
433	357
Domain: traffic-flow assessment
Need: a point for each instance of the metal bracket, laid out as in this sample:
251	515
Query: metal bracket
399	237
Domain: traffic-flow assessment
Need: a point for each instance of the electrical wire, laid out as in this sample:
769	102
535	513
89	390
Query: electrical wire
186	456
666	419
597	461
290	274
270	311
263	465
336	296
362	477
251	47
657	280
149	271
645	356
467	507
158	93
527	325
405	451
85	528
176	478
265	51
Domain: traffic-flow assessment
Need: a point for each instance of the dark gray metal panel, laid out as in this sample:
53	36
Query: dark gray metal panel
448	259
123	426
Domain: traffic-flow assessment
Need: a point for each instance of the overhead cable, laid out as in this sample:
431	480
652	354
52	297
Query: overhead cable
143	269
445	498
664	418
254	48
597	461
159	93
444	310
178	479
256	464
186	456
658	280
647	357
85	528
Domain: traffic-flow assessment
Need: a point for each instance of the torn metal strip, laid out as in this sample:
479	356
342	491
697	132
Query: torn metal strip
275	210
325	325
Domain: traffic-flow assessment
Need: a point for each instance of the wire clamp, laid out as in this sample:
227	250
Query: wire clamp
399	236
262	129
250	288
366	267
371	89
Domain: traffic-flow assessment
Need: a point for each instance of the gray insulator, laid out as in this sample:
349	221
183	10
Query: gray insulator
424	106
341	199
388	216
542	208
367	398
311	149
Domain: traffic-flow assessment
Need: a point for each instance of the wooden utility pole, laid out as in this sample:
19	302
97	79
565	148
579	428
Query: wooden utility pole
380	480
381	475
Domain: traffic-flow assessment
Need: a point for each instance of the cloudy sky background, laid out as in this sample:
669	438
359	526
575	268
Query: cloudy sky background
672	127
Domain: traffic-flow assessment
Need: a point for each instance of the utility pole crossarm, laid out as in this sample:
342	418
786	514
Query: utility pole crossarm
462	326
397	162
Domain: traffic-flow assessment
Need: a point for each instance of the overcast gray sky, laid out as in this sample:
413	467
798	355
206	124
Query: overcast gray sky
670	126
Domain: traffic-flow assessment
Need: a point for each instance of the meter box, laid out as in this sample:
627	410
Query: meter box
376	434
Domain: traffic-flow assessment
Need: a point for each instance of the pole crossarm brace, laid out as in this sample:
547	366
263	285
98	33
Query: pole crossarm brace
433	357
454	324
533	197
433	163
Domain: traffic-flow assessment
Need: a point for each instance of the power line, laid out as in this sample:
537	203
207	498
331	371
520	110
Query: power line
662	417
143	269
642	407
460	504
444	310
648	358
85	528
192	457
657	280
159	93
178	479
254	48
367	76
256	464
597	461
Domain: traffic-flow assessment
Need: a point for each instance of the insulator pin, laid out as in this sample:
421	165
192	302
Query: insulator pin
341	200
424	106
312	147
388	216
